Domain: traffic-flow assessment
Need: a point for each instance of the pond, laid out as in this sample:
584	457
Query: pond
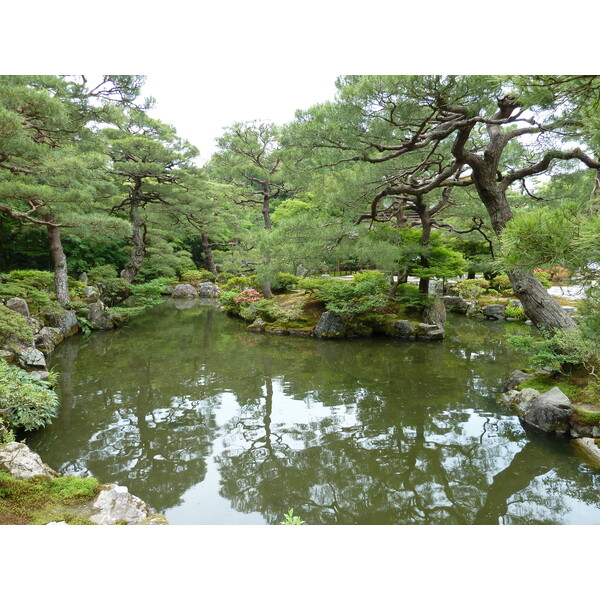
211	424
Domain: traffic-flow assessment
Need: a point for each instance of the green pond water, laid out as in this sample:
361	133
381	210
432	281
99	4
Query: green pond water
211	424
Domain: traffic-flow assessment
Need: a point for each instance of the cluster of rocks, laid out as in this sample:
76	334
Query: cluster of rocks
49	329
551	412
205	289
112	505
332	326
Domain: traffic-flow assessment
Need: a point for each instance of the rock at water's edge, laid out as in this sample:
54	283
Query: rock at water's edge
22	463
330	325
516	378
115	504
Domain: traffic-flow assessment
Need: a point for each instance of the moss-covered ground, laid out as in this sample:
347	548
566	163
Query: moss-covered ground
41	499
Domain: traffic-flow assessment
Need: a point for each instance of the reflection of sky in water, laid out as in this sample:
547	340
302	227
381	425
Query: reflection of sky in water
220	426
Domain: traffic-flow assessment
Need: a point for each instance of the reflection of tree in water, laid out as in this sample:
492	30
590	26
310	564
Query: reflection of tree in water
138	415
420	472
391	432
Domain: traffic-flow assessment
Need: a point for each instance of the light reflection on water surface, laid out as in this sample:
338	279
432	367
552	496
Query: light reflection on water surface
211	424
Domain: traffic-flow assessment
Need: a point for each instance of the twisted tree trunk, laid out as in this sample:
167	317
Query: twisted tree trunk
59	259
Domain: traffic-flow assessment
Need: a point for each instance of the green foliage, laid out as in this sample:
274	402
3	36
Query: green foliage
101	273
544	276
444	263
290	519
501	283
472	288
562	352
240	283
114	291
227	299
349	299
41	280
284	281
197	276
25	401
409	296
153	288
515	312
69	487
15	331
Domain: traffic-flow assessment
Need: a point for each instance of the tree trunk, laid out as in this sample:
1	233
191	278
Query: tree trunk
132	268
59	259
208	255
425	239
266	289
543	310
266	207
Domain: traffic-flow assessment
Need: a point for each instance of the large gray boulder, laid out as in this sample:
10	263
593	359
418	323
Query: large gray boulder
455	304
330	325
403	329
98	317
516	378
184	290
548	412
115	504
31	358
48	338
207	289
18	305
495	312
65	320
22	463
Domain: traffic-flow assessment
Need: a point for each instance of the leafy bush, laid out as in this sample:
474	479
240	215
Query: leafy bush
41	280
409	296
37	299
114	291
349	299
153	289
102	273
25	401
544	277
515	312
284	281
501	283
566	349
15	331
240	283
472	288
196	276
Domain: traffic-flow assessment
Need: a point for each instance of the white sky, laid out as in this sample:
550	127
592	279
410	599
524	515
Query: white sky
201	106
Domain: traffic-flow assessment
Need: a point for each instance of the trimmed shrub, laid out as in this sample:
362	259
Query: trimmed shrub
25	401
15	331
284	281
472	288
197	276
